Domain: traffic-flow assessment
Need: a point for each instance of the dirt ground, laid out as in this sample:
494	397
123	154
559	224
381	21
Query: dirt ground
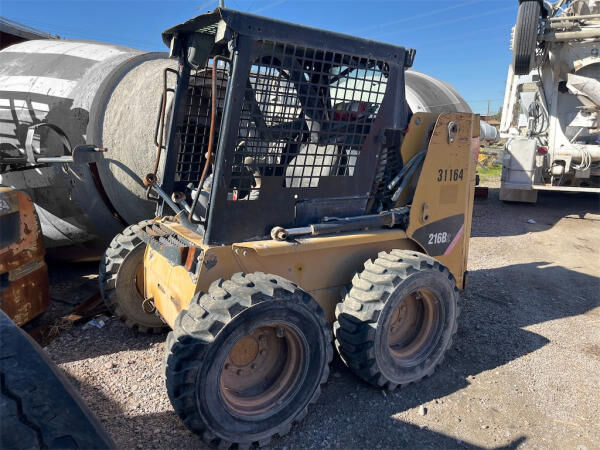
524	371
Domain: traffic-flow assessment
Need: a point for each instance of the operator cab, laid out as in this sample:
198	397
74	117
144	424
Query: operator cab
297	125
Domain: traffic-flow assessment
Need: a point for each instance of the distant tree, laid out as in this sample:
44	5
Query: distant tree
498	115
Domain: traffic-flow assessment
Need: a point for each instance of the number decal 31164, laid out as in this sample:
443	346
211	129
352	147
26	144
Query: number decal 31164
450	175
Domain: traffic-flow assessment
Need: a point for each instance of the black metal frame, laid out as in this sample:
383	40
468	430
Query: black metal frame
304	133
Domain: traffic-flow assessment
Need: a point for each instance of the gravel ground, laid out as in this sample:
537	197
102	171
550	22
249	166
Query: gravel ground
524	371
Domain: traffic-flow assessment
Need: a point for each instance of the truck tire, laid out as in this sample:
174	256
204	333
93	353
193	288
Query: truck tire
38	406
246	359
121	280
525	38
398	319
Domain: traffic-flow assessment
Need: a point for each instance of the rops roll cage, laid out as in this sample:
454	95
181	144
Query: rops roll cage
298	100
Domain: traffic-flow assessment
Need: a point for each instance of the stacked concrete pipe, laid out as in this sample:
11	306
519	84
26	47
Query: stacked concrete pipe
107	95
99	94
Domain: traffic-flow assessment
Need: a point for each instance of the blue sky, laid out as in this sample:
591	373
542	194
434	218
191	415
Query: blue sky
463	42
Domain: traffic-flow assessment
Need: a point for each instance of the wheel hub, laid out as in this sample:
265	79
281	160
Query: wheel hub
244	352
412	326
262	370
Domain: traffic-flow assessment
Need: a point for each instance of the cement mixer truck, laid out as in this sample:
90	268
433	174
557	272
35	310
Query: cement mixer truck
551	110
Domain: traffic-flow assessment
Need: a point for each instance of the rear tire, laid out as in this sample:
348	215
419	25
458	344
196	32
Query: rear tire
525	38
397	321
244	361
121	280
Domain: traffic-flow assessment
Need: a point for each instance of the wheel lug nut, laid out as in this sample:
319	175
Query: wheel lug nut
262	352
227	366
239	371
253	366
280	332
261	338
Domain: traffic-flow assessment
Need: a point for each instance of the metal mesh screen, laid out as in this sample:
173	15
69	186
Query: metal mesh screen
306	115
195	126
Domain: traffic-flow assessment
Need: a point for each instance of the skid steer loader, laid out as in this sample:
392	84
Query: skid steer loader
296	196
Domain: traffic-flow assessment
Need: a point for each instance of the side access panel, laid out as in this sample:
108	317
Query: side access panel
442	207
321	265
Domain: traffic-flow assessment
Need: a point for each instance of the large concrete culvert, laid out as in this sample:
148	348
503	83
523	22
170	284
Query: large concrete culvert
99	94
107	95
425	93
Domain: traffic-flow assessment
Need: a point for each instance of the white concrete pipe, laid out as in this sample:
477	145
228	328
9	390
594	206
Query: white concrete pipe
99	94
425	93
107	95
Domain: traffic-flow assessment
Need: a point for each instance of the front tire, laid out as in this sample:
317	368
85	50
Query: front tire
397	321
121	280
246	359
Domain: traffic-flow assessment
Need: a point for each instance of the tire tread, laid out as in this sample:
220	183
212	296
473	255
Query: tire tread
197	327
357	316
121	245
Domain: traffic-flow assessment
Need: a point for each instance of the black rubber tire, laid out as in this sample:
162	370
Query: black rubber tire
117	280
203	336
38	406
525	38
363	318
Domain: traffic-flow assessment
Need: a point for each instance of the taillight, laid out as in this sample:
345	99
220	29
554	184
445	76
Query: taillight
542	150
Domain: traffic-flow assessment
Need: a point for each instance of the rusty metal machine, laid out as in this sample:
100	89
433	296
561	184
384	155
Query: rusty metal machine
299	201
24	289
23	271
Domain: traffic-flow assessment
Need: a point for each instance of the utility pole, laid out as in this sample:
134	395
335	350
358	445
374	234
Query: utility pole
221	3
489	107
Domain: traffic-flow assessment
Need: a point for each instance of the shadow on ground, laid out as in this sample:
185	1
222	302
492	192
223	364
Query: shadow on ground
549	209
498	304
379	431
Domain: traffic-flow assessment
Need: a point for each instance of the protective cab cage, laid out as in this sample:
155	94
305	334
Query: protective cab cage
303	123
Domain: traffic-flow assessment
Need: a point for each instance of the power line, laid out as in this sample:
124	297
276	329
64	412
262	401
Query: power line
206	4
418	16
270	5
72	33
460	36
436	24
